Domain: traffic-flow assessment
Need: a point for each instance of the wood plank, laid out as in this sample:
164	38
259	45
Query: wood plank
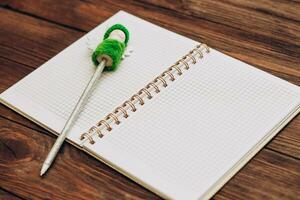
268	176
22	153
266	51
287	141
23	150
261	17
8	196
13	72
31	41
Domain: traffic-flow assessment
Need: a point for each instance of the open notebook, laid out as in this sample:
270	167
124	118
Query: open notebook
203	115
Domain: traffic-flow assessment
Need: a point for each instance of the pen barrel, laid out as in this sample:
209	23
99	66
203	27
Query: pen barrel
84	96
59	141
54	150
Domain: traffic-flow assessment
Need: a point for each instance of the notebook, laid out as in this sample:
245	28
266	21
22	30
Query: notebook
177	117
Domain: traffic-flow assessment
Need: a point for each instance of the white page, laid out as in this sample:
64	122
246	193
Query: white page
193	133
49	94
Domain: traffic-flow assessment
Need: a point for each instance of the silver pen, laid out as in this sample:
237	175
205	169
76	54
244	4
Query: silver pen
115	38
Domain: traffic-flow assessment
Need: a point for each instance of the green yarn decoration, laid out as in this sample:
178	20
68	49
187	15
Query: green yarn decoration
118	27
113	48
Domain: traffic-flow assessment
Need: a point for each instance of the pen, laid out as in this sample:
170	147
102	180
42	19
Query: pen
106	56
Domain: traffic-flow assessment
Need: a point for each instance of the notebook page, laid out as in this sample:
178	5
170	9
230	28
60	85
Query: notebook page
183	141
49	94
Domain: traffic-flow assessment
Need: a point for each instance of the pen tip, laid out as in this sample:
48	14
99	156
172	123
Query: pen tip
43	170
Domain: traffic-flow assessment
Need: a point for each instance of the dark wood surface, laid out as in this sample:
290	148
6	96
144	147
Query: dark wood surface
264	33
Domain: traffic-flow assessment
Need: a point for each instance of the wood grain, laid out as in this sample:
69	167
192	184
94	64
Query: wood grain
22	152
7	196
266	174
255	48
262	33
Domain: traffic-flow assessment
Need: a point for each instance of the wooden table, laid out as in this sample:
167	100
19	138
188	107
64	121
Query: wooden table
264	33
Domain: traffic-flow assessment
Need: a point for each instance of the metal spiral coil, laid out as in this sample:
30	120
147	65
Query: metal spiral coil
138	98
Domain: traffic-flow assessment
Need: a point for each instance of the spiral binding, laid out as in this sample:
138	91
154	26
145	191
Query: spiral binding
145	93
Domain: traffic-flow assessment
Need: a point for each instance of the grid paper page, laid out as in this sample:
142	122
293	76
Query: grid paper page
49	94
184	140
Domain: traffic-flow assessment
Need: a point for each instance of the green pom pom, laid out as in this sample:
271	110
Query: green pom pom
118	27
112	48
